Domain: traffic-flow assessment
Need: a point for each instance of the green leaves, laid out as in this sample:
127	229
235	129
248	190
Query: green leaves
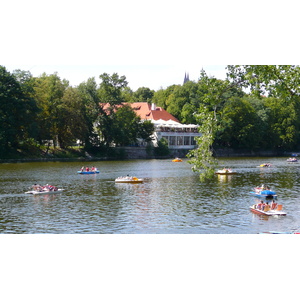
202	157
111	87
17	112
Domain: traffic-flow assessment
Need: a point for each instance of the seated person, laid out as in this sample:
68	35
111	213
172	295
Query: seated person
266	207
260	205
273	205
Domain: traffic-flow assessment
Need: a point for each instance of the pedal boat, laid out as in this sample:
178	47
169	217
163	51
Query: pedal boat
225	172
129	179
44	192
275	212
177	159
266	165
88	172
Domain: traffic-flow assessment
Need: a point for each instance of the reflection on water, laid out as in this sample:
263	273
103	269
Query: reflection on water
171	199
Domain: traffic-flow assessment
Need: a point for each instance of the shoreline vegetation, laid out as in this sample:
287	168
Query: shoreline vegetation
127	153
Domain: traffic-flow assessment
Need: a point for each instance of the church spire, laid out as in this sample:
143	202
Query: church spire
186	78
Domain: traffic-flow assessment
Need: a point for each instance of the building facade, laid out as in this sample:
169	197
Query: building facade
178	136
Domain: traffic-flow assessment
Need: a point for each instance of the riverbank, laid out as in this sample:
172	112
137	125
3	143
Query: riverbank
125	153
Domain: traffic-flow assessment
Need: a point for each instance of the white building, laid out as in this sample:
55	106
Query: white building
179	136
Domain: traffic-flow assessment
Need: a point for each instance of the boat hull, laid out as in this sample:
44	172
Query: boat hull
44	192
267	213
129	180
87	172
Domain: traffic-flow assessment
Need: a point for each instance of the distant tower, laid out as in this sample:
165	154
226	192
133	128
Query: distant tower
186	78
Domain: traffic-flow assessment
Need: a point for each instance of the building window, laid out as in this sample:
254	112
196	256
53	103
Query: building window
172	140
187	140
180	140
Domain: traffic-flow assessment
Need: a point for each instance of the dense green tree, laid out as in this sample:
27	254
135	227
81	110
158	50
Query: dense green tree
182	95
280	81
111	88
17	112
160	97
207	116
240	126
277	81
127	94
26	81
162	148
213	94
111	98
143	94
201	158
146	130
71	122
49	91
91	109
125	126
283	123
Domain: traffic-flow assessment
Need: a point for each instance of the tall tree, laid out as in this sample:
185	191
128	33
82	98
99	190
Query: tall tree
283	123
280	81
91	109
49	91
111	87
240	125
202	157
17	112
125	126
277	81
111	98
143	94
214	94
71	121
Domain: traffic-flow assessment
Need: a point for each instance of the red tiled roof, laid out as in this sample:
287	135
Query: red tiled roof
145	112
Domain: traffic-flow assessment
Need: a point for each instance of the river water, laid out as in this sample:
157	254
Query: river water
171	199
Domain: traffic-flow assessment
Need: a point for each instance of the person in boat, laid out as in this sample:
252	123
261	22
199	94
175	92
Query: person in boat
37	187
273	204
264	187
93	169
82	169
87	169
266	207
260	205
50	188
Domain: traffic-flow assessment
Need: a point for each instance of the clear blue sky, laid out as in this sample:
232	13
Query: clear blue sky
153	43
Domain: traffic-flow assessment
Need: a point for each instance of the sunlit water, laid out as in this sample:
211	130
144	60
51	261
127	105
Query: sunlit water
171	199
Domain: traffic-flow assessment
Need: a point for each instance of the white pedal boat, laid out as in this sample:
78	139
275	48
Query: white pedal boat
44	192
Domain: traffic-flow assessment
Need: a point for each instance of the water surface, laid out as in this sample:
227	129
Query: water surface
171	199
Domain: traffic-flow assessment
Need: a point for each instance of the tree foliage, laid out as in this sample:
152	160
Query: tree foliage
255	108
202	157
17	112
240	126
143	94
280	86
